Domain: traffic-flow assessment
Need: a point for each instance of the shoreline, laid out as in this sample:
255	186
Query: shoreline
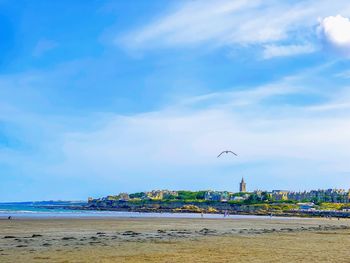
86	212
149	215
266	213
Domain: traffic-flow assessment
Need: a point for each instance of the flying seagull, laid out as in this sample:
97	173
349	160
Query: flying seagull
227	153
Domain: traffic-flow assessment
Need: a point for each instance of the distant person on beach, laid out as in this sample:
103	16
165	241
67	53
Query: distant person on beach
9	218
202	214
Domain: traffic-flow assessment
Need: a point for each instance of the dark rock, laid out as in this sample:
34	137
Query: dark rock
94	242
206	231
130	233
184	232
68	238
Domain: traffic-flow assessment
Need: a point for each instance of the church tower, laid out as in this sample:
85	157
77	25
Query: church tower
242	186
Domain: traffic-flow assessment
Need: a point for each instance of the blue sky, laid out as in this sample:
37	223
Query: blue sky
101	97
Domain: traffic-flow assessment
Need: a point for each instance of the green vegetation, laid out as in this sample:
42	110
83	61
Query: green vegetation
189	195
137	195
283	207
264	197
332	206
196	201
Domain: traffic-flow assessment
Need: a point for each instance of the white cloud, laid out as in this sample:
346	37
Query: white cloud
336	32
271	51
224	22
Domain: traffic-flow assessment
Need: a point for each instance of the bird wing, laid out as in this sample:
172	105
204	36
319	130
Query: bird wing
220	154
227	152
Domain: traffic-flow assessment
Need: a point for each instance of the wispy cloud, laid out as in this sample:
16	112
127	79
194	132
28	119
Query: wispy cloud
220	23
246	97
271	51
343	74
43	46
184	137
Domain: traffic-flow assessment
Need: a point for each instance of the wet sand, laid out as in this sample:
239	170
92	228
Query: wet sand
174	240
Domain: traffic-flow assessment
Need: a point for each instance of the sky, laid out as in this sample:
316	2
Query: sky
101	97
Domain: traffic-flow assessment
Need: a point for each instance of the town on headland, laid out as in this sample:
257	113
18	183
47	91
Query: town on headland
325	203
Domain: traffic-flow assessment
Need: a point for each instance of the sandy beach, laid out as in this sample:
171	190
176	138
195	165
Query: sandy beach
174	240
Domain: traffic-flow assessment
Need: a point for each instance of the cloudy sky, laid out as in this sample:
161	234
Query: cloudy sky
101	97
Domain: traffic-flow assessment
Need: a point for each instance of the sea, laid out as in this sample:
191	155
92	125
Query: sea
54	209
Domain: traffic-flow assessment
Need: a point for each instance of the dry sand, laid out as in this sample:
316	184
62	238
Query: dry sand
174	240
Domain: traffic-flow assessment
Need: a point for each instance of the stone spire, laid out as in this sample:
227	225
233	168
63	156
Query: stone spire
242	186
